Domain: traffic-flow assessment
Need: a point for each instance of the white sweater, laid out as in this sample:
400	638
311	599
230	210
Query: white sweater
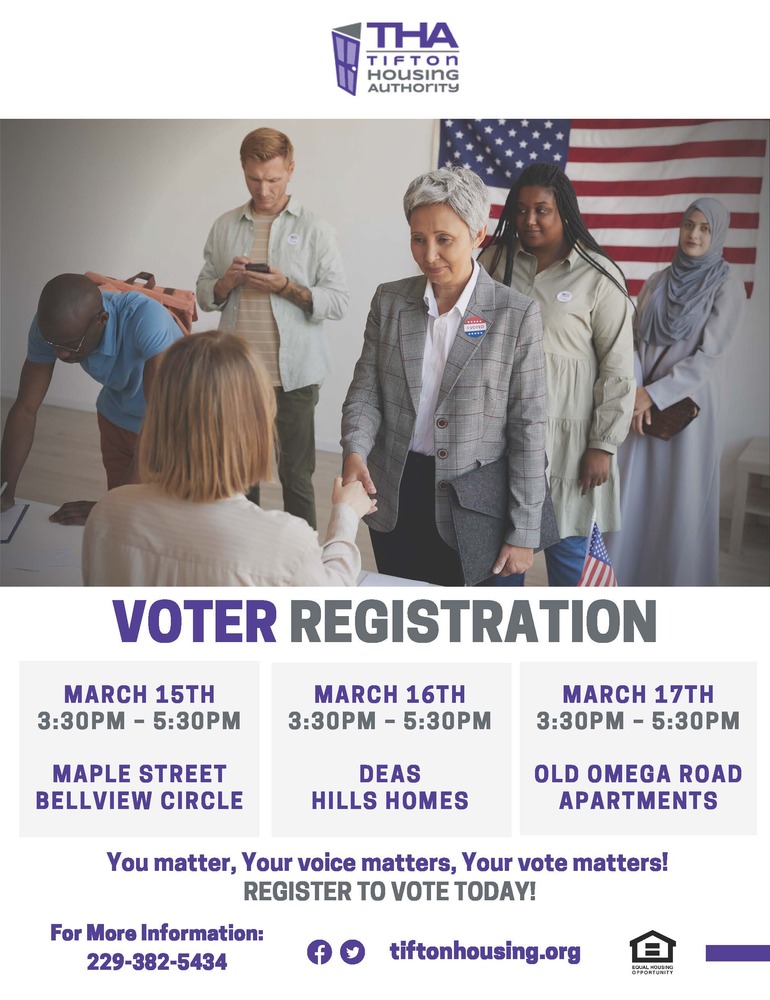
138	536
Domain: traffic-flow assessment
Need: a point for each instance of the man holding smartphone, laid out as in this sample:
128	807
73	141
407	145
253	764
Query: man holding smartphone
274	271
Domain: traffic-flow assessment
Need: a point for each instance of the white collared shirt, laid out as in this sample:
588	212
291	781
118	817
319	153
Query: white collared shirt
441	333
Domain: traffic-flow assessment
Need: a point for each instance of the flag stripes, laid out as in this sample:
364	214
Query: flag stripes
633	177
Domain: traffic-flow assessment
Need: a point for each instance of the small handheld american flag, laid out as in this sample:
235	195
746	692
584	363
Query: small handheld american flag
597	569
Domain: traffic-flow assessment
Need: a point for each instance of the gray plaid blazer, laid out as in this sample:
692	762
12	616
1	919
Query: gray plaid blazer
491	401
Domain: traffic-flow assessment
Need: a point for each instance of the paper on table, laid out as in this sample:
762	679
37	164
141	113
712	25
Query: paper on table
39	560
368	579
11	519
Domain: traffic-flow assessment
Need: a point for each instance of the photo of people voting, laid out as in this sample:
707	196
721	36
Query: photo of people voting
484	353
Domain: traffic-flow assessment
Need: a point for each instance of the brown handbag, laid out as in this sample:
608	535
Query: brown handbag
664	424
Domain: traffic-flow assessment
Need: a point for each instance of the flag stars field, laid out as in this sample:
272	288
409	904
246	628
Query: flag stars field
633	177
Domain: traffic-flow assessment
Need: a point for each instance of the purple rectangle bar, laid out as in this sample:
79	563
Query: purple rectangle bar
738	952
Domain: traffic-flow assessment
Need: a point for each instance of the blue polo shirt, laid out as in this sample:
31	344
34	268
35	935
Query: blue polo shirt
137	329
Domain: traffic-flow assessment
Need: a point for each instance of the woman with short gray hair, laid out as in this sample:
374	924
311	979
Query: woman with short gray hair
450	379
461	190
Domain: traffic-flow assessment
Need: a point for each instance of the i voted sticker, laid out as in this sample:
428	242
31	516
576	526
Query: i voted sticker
564	296
292	239
475	326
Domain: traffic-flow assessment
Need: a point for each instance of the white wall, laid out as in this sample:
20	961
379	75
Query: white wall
123	196
747	382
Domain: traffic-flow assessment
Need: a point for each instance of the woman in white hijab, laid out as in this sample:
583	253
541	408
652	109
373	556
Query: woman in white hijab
687	318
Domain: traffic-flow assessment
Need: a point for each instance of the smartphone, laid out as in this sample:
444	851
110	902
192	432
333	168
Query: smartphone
262	268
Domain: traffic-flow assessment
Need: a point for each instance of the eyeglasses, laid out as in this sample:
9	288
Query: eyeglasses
74	350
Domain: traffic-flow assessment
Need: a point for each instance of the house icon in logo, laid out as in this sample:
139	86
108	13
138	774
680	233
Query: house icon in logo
347	48
652	947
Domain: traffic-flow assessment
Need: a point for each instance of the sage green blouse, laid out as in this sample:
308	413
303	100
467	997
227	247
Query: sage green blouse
590	387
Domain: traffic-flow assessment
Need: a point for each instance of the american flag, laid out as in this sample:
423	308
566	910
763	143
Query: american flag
597	569
633	177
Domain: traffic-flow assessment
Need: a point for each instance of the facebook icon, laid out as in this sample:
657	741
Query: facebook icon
319	952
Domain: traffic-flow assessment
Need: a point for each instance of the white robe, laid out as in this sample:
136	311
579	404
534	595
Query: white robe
669	533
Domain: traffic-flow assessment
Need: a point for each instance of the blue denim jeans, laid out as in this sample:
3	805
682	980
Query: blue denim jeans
564	562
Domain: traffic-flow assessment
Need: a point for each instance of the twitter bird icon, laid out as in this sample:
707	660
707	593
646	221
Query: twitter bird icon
352	952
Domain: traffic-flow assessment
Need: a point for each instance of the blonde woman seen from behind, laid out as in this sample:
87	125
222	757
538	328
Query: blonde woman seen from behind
207	437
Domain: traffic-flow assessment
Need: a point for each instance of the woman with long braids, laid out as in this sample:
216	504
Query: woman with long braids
542	248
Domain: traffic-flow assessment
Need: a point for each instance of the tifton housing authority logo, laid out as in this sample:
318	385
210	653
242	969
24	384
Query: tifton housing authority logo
397	58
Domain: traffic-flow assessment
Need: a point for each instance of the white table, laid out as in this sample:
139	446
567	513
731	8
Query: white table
367	578
41	554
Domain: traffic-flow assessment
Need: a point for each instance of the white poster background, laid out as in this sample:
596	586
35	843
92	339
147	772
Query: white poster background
710	893
75	60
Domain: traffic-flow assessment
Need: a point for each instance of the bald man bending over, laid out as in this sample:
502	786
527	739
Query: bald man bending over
116	338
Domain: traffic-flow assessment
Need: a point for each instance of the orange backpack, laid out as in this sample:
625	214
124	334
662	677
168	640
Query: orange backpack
180	303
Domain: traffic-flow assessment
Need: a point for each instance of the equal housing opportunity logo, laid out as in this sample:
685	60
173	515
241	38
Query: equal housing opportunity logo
390	57
652	954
